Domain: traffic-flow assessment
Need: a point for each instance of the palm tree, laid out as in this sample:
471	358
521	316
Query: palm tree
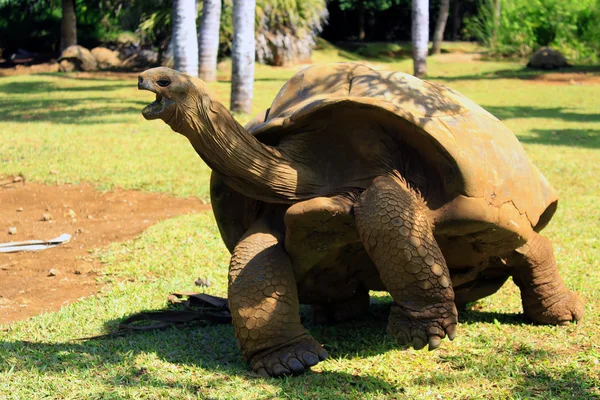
68	26
185	42
242	55
420	36
440	27
287	30
208	39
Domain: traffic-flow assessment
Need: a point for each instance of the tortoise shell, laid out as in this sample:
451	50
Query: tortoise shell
487	183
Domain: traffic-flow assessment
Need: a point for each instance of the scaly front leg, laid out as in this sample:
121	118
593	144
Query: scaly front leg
264	306
394	226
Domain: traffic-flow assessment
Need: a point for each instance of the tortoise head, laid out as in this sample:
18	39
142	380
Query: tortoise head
176	93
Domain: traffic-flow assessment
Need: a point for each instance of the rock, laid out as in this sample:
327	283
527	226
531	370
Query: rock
202	282
66	66
283	48
139	58
77	58
20	209
12	230
46	217
71	213
53	272
172	299
106	58
547	58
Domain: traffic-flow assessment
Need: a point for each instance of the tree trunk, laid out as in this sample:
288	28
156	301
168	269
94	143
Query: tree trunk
440	27
456	20
420	36
242	56
185	42
68	27
361	21
208	39
497	9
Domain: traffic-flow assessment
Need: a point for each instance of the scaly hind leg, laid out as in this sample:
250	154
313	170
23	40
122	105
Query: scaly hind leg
264	306
545	297
394	226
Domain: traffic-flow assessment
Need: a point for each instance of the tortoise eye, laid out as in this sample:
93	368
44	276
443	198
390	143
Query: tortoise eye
163	82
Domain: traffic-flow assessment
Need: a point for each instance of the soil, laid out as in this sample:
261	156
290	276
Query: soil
53	67
94	219
29	69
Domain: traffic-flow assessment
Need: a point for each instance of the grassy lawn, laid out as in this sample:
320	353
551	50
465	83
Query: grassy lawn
90	129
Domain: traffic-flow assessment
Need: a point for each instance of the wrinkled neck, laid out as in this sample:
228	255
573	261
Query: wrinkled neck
245	164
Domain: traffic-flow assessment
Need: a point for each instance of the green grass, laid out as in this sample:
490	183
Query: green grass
389	51
91	130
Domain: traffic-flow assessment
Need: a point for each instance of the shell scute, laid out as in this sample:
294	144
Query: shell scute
489	164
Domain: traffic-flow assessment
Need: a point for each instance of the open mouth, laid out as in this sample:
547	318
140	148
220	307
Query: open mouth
156	109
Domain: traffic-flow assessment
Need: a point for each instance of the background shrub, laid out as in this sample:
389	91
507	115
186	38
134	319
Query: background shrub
570	26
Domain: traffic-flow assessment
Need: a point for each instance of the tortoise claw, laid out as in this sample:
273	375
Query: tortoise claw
424	328
294	358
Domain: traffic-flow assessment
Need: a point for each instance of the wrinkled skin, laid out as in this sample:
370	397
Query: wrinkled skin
320	218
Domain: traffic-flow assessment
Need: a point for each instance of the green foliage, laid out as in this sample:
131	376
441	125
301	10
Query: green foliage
297	16
589	27
226	28
374	5
155	27
570	26
32	25
35	24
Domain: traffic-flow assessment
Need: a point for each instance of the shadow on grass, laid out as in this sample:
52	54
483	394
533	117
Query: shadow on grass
490	317
97	76
534	378
375	51
523	73
67	111
588	138
213	348
84	110
282	80
44	87
511	112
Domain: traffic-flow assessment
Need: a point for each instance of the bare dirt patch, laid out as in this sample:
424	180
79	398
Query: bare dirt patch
94	219
51	67
29	69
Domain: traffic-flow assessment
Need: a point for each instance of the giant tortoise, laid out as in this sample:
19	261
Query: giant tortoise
356	180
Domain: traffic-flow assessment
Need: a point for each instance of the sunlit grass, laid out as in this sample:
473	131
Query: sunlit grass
91	130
